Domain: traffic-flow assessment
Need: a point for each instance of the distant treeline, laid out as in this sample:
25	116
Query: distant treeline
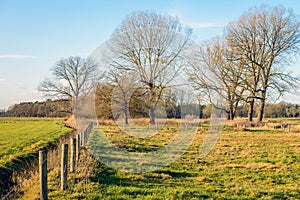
278	110
49	108
63	108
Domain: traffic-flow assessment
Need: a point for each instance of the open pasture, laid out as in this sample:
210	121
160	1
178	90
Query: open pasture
258	163
22	136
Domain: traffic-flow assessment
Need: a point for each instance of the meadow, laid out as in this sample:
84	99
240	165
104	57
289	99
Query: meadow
22	136
257	163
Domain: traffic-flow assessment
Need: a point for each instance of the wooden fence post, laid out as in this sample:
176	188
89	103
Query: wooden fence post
83	138
43	175
87	135
64	166
73	155
289	128
78	147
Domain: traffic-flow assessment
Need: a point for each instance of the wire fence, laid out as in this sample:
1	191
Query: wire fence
50	160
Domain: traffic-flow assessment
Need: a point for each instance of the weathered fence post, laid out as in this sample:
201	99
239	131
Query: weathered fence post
73	155
289	128
83	138
64	166
87	134
78	147
43	175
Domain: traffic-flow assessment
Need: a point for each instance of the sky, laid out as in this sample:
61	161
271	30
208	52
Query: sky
35	34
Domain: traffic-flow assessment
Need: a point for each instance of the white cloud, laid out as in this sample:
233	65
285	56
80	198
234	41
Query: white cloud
14	56
2	79
205	24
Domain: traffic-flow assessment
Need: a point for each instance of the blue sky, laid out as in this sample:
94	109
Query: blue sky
35	34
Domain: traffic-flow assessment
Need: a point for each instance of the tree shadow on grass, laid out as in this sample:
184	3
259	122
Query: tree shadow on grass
263	131
109	176
176	174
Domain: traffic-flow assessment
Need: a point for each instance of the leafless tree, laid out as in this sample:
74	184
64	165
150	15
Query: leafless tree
215	72
152	46
267	40
125	85
72	77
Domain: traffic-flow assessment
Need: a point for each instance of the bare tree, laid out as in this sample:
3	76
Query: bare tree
267	40
215	71
72	77
152	46
125	85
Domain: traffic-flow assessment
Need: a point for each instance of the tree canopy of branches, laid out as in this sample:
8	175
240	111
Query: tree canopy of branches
214	71
266	40
126	89
151	46
250	64
72	77
149	53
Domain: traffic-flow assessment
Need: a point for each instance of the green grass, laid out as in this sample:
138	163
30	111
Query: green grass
22	136
253	164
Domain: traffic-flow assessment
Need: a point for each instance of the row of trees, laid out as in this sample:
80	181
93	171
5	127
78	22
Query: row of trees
282	109
151	59
249	63
108	107
49	108
63	108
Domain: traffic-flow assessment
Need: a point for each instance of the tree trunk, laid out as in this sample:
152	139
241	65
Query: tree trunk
126	117
152	104
235	107
152	115
262	107
251	110
126	112
230	114
229	109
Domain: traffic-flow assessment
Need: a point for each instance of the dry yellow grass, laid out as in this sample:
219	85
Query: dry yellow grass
70	121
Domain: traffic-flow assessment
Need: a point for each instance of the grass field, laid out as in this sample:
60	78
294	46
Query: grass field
253	164
21	136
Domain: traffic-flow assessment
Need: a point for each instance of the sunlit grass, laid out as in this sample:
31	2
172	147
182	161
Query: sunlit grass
20	136
252	164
